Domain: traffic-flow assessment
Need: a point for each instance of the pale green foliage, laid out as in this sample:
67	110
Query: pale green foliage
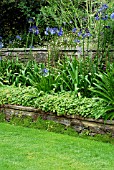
65	103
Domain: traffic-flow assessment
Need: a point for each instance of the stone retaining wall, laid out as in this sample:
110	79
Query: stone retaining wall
80	124
41	55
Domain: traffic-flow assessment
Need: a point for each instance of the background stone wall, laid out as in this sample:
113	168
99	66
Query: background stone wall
41	55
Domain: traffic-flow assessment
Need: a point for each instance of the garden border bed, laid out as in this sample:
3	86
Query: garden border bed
80	124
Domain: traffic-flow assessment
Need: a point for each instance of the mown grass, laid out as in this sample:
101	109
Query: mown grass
32	149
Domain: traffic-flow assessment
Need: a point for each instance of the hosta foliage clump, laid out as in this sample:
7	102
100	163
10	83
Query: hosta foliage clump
64	103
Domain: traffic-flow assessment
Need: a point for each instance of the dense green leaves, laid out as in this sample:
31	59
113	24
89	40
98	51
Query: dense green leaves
65	103
104	88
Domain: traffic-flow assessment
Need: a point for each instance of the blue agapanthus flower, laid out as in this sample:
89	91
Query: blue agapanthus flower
34	29
112	16
18	37
0	38
104	17
87	34
51	31
79	33
47	31
74	30
44	71
60	32
97	17
103	8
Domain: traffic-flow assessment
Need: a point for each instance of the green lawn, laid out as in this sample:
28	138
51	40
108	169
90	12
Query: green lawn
31	149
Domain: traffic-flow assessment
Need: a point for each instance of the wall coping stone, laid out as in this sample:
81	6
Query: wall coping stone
45	49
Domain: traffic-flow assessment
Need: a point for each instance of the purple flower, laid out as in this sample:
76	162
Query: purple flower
18	37
104	17
112	16
0	38
44	71
52	31
74	30
103	8
87	34
96	17
79	33
47	31
34	29
60	32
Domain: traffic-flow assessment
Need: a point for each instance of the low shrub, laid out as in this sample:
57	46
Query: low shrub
64	103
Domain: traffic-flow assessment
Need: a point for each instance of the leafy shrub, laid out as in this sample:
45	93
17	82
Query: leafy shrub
64	103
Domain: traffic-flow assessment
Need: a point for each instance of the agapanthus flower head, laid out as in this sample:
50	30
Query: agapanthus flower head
87	34
44	71
34	29
18	37
112	16
51	31
97	17
30	20
60	32
104	17
74	30
1	45
103	8
84	35
47	31
79	33
0	38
